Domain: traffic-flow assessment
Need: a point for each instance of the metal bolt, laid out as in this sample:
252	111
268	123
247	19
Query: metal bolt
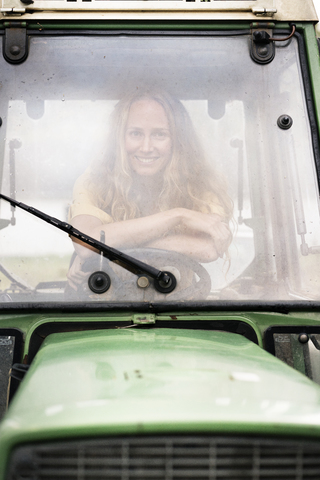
303	338
99	281
15	50
262	51
285	122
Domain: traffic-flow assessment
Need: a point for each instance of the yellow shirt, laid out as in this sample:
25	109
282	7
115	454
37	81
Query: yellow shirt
83	204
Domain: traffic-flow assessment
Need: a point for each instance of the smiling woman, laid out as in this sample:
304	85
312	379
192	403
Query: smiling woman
154	189
147	138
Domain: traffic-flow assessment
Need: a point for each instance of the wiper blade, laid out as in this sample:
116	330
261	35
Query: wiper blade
164	280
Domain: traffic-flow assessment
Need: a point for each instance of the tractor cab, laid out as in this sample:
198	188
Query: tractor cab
159	239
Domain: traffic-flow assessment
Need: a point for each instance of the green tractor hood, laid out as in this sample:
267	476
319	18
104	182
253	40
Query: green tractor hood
130	381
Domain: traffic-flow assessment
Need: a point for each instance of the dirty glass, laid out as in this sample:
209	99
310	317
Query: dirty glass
6	360
300	351
167	148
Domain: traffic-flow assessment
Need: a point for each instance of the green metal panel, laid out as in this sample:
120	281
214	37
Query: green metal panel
150	380
258	321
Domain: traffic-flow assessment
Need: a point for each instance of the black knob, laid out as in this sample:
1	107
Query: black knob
99	282
167	284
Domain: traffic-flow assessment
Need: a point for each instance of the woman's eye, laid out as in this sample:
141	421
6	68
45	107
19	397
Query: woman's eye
160	135
135	133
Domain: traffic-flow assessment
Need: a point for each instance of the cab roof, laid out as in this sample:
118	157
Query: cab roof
246	10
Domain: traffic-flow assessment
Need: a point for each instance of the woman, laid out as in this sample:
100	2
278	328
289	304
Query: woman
154	188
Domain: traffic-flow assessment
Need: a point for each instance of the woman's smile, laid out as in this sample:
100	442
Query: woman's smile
147	137
147	160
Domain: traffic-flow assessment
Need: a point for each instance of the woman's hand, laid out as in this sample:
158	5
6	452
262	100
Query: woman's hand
211	225
204	237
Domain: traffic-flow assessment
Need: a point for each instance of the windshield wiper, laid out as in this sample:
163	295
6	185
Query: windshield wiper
164	282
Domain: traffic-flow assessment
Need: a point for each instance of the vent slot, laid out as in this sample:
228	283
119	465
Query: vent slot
170	458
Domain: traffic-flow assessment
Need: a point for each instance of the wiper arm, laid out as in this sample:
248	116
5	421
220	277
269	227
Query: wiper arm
165	282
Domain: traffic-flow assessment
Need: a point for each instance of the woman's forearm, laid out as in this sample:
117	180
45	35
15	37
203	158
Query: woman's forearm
201	248
201	236
127	234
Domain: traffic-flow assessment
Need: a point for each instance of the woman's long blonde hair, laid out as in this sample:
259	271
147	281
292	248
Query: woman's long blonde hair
188	180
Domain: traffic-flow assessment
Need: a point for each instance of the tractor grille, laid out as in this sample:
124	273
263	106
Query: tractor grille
168	458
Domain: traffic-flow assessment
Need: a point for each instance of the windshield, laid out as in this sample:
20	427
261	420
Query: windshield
172	149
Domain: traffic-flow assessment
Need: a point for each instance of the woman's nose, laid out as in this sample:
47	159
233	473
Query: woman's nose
146	144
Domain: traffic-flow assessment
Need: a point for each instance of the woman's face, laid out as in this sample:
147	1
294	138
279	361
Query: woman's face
147	137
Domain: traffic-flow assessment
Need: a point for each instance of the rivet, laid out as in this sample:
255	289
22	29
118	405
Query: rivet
15	50
262	51
303	338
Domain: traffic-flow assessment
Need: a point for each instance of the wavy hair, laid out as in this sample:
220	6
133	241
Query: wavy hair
188	180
